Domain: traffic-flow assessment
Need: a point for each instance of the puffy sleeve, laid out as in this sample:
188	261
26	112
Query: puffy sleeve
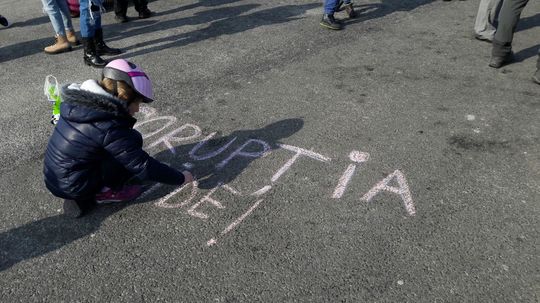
125	145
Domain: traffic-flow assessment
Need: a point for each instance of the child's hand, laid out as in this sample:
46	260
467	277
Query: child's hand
188	177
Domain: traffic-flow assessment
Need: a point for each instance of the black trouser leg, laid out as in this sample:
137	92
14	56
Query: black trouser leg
120	7
140	4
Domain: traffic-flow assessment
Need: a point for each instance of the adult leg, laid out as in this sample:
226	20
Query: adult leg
90	18
52	9
66	16
508	20
68	25
488	11
61	44
101	47
120	7
501	53
120	10
141	6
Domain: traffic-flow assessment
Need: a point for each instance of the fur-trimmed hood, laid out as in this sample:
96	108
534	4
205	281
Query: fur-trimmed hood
89	102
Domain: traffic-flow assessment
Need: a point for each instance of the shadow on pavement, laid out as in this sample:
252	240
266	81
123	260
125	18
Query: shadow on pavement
386	7
229	20
32	22
526	53
528	23
49	234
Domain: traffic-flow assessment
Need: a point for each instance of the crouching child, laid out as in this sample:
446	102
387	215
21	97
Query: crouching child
94	155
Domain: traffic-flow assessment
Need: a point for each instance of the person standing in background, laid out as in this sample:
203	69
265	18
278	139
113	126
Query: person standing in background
92	34
58	12
509	15
121	6
501	53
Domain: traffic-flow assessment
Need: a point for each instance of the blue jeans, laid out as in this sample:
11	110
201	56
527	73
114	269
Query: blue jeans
58	12
90	18
330	6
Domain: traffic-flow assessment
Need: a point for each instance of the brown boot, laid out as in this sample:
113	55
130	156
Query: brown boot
349	9
61	45
72	38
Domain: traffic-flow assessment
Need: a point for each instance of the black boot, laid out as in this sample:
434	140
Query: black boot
90	56
328	21
145	13
101	47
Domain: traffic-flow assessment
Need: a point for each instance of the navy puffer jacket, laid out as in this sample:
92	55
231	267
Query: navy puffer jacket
93	124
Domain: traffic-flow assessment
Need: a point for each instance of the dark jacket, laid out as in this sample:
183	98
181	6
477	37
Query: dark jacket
92	127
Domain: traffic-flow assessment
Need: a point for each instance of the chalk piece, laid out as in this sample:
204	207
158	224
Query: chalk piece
211	242
188	165
471	117
400	282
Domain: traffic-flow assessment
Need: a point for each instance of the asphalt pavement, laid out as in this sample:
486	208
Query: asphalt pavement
382	163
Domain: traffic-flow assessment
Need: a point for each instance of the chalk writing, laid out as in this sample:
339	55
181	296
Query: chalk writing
357	157
251	149
402	190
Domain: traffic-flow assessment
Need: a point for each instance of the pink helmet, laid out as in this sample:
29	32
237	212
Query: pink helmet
121	69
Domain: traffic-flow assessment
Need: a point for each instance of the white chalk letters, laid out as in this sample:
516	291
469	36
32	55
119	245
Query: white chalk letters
252	148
